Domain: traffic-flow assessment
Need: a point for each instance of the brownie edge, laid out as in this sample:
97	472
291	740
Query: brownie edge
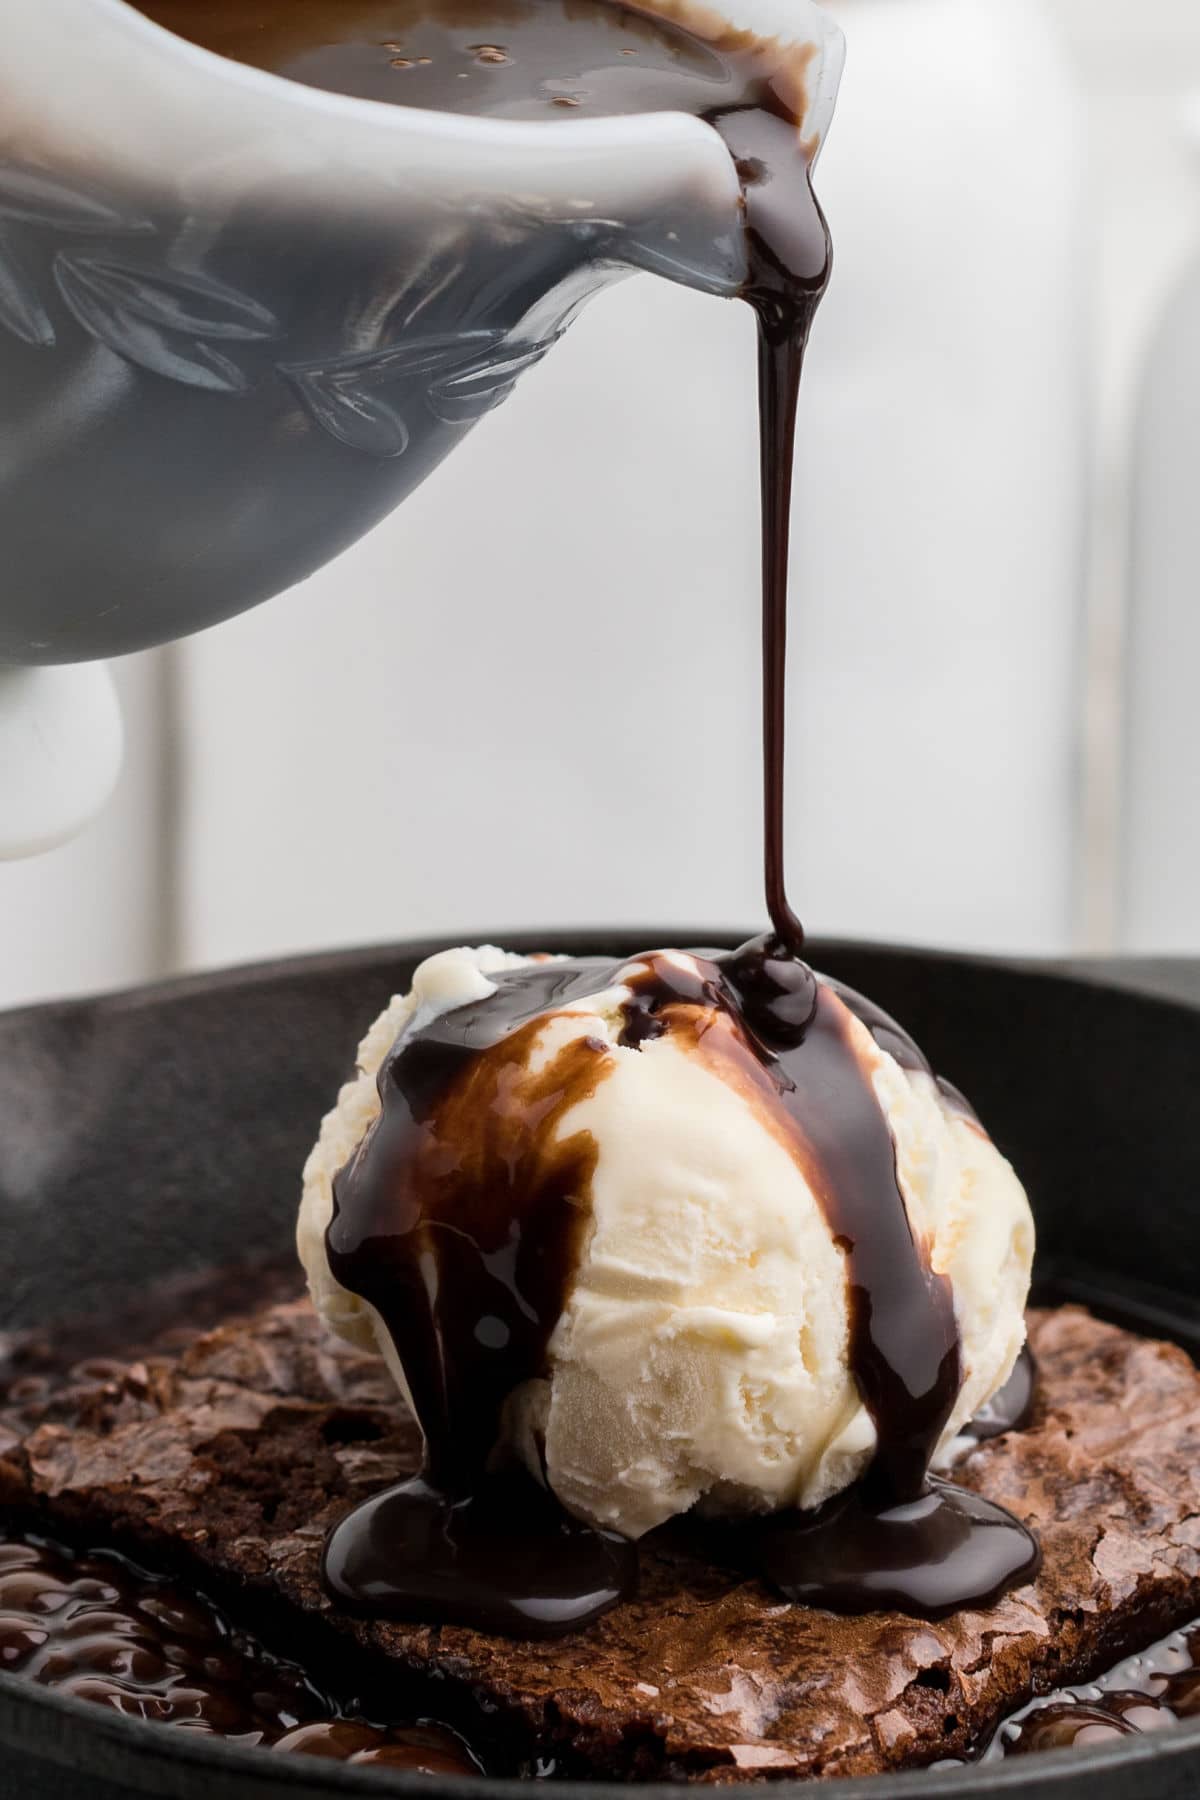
231	1456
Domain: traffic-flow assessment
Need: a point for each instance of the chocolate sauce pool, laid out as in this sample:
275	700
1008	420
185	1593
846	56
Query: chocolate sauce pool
1151	1691
104	1629
467	1258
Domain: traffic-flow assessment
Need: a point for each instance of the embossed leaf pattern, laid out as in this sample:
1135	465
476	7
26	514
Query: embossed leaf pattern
469	393
361	420
36	198
164	297
21	309
352	397
171	322
150	316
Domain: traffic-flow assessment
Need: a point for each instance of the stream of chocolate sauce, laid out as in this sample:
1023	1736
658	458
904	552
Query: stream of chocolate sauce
467	1256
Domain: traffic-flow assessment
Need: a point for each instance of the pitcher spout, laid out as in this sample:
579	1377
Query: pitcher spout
693	232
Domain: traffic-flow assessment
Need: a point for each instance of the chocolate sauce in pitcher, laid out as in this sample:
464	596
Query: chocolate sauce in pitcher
468	1262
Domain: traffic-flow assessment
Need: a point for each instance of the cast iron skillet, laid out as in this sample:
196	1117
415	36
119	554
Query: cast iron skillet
164	1129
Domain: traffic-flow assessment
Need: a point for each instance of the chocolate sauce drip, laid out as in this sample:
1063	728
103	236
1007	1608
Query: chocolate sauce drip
893	1038
1012	1409
103	1629
896	1540
889	1035
904	1347
466	1260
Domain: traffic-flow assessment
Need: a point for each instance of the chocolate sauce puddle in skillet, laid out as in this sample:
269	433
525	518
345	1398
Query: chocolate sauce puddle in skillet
101	1628
468	1264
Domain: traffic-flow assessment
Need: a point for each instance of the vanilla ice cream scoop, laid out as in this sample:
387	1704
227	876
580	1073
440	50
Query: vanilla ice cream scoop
673	1241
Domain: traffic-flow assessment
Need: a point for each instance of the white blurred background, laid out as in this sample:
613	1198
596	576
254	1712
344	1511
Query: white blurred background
530	697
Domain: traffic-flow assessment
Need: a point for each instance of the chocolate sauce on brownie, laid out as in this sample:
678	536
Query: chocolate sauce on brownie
499	1554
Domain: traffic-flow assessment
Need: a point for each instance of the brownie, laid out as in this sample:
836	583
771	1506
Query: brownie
231	1456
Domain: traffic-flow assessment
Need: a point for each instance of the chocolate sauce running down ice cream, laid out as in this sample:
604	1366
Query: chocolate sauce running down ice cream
692	1230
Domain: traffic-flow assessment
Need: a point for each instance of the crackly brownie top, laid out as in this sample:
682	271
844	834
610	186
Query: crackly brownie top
238	1451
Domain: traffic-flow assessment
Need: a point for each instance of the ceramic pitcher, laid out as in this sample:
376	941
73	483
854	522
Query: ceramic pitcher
241	319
